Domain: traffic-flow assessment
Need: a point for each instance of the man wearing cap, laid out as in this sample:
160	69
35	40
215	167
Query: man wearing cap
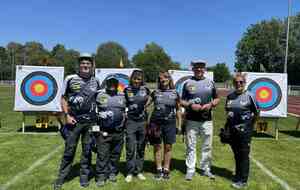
111	106
199	96
78	104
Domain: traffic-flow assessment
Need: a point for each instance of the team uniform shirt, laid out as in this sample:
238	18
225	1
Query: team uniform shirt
80	93
136	98
241	108
164	104
111	110
199	91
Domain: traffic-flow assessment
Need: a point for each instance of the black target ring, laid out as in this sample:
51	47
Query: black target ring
39	88
268	93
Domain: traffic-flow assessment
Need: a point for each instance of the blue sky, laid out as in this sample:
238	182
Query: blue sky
187	30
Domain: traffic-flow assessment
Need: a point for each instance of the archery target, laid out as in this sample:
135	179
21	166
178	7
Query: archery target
269	90
122	75
267	93
180	77
38	88
122	78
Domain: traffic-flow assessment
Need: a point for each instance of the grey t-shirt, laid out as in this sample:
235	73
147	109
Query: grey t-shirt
136	98
199	91
164	104
78	90
241	108
111	109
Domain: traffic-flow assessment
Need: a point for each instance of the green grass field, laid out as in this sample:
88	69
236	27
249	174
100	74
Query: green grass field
25	162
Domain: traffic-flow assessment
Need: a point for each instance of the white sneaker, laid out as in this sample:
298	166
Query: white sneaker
128	178
141	176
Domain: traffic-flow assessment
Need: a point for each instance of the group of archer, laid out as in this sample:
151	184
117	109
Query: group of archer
109	117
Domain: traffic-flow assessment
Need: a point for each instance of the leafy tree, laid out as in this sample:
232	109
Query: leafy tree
262	44
35	54
4	64
66	58
152	59
109	55
221	72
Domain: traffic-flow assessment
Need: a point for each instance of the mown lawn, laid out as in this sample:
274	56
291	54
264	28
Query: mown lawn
19	153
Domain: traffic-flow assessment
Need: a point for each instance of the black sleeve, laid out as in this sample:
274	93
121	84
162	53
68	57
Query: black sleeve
148	91
214	91
184	92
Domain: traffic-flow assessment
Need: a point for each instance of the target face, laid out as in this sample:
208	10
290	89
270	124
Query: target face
179	84
39	88
122	78
268	93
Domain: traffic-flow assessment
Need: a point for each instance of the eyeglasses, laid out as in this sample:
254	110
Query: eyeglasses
239	82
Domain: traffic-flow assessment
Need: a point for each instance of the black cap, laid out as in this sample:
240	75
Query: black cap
112	81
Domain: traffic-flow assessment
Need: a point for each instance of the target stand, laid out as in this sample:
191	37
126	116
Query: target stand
263	125
38	92
42	120
270	95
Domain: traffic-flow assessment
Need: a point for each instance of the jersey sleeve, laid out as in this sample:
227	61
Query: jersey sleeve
184	95
254	104
65	87
214	91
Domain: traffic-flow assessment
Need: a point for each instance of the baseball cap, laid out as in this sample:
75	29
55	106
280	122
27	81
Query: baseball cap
199	62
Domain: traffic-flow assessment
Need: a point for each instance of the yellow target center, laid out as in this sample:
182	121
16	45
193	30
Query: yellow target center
38	88
264	94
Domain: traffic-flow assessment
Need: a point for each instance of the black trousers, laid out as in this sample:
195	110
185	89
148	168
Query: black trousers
109	149
71	142
240	146
135	146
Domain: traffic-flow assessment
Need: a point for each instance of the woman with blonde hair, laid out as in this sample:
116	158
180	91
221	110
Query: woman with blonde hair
242	109
162	126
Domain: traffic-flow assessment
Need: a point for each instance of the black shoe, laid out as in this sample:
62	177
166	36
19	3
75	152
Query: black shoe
57	186
166	175
159	174
112	178
84	181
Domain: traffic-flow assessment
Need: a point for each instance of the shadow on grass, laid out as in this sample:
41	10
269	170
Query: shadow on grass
149	167
293	133
264	135
39	130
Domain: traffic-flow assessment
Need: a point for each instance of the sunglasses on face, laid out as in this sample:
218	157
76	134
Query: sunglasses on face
239	82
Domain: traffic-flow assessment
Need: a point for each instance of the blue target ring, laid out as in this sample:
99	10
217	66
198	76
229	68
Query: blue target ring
43	80
268	93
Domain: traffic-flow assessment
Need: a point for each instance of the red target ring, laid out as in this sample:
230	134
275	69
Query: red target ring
264	94
38	88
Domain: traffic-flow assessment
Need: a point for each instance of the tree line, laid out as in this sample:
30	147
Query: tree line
262	48
152	58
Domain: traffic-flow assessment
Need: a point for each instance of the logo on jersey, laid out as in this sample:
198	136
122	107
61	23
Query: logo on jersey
191	88
75	86
130	94
103	100
142	93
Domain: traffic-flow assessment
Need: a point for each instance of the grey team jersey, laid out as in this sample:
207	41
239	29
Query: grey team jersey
200	92
164	104
111	109
240	108
73	89
136	98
